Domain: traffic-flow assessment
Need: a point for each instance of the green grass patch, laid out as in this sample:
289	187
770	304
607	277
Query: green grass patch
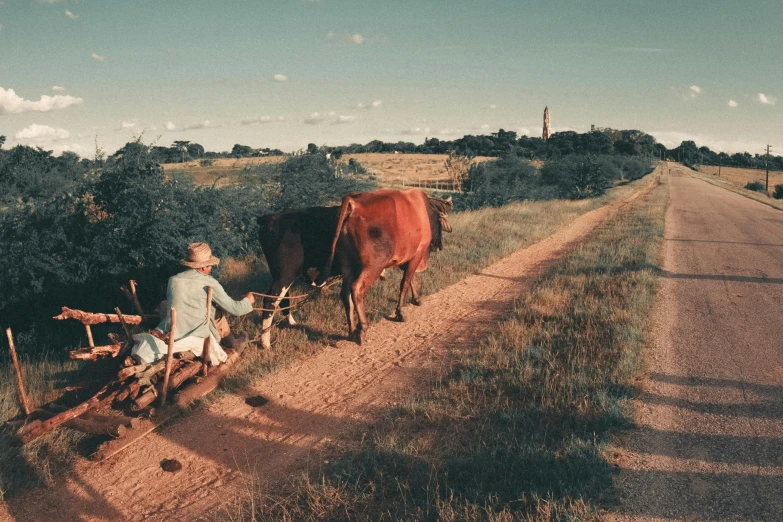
519	428
480	238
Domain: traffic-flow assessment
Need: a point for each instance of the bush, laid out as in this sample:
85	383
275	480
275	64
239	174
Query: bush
579	177
756	186
309	180
496	183
778	194
206	162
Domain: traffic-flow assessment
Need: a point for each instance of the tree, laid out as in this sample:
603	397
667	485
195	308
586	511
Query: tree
2	141
312	148
182	146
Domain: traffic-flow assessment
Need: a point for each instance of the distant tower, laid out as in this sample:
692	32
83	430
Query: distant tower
547	128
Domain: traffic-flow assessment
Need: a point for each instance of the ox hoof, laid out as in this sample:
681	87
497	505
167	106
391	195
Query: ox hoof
416	302
358	337
399	317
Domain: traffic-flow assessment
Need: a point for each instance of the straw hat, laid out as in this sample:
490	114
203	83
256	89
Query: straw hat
199	256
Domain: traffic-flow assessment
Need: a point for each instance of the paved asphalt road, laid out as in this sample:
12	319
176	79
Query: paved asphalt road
710	443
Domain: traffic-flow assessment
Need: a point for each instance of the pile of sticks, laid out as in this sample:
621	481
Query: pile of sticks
135	388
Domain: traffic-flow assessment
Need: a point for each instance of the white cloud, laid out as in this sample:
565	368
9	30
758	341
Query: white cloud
357	39
12	103
280	78
170	126
492	106
415	131
766	100
451	132
200	125
732	104
344	119
42	133
330	35
484	127
127	125
70	15
98	57
695	90
523	131
57	88
673	138
262	119
50	1
314	119
374	105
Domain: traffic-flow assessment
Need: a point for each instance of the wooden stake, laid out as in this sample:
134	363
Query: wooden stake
135	298
96	318
169	356
22	394
124	325
89	336
208	338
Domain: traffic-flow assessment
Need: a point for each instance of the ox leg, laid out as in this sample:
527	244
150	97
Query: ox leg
266	317
405	284
415	300
345	295
358	289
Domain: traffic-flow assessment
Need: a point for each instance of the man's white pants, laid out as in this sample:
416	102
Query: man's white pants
149	348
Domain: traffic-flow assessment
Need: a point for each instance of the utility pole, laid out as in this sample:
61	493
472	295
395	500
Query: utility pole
766	163
720	163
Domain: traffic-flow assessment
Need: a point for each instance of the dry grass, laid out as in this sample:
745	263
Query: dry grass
392	170
519	429
761	197
741	177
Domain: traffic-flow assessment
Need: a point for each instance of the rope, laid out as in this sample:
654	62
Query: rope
300	296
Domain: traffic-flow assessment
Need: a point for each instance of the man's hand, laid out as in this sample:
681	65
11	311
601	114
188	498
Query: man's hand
250	298
160	335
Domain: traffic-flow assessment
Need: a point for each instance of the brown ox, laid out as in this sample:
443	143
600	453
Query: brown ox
379	230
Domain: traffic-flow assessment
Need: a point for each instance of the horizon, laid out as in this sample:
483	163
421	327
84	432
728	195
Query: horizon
332	73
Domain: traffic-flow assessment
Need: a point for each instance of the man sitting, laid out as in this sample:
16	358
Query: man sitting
187	293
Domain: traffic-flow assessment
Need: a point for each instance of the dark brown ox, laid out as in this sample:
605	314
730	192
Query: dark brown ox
379	230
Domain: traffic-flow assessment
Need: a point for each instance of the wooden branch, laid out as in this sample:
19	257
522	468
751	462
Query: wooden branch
135	298
111	427
112	447
89	318
204	386
90	342
22	394
128	422
181	375
169	356
124	324
208	338
106	393
96	352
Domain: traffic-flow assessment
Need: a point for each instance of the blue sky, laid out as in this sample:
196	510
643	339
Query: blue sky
286	73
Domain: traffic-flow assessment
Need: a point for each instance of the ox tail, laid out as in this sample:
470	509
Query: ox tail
345	211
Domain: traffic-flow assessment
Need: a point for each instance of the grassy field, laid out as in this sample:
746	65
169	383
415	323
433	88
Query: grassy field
519	429
741	177
738	188
392	170
480	238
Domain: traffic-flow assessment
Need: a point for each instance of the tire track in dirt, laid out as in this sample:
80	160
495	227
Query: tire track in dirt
310	403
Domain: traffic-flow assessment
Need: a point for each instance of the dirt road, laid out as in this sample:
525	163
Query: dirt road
710	443
278	424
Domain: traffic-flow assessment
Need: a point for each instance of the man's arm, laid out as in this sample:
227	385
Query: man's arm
241	307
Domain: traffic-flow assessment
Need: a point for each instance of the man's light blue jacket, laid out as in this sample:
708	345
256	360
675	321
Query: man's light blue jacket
187	292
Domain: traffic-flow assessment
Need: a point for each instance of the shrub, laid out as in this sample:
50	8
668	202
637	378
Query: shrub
495	183
756	186
778	194
579	177
206	162
309	180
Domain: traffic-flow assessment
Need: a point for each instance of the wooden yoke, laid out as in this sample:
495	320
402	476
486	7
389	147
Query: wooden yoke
205	353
